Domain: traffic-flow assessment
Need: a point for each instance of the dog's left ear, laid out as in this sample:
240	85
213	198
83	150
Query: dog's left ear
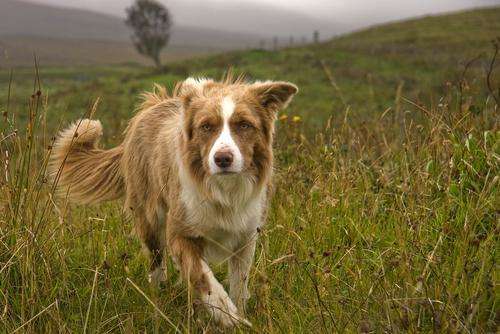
273	95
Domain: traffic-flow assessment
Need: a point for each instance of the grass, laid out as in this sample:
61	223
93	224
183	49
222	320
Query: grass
385	213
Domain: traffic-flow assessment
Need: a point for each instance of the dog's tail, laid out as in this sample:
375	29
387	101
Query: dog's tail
80	170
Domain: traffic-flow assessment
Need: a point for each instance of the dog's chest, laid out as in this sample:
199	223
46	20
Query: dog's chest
223	227
224	232
215	221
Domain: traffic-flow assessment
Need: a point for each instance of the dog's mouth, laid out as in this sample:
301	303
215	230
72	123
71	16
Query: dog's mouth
226	173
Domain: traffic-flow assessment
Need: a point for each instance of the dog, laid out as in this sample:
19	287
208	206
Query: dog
195	170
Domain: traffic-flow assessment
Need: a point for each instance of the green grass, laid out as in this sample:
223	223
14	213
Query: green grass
385	213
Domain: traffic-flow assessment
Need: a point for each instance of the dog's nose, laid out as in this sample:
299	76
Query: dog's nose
223	159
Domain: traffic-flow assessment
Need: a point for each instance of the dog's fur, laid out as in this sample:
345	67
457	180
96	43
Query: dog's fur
180	198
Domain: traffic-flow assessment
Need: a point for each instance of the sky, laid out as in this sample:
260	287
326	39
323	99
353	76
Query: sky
378	8
319	8
341	15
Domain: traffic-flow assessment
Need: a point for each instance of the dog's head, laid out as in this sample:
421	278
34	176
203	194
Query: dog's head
228	127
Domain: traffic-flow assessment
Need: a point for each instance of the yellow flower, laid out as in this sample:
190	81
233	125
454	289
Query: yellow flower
296	119
283	117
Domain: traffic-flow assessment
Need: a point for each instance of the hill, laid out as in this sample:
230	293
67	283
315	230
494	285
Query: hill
74	36
385	211
20	50
264	18
421	55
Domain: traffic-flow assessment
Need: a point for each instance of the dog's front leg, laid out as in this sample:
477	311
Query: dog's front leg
239	270
187	253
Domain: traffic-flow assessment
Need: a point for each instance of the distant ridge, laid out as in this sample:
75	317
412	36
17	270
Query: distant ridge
21	18
66	36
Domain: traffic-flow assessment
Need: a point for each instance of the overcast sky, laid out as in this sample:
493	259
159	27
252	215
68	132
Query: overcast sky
320	8
331	8
342	15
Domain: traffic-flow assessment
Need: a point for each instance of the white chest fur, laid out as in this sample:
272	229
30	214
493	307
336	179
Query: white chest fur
228	219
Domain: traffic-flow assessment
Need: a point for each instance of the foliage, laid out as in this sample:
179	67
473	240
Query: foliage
151	23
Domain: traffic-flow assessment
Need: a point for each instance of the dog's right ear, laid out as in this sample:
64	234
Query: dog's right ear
192	88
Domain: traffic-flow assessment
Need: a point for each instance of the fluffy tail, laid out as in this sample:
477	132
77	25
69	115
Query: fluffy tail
80	170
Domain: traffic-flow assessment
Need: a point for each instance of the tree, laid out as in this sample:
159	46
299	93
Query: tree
151	23
316	36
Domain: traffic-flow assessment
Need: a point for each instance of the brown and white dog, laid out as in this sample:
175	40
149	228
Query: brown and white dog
195	170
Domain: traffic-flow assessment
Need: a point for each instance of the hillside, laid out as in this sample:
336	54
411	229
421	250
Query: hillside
19	51
266	18
385	209
75	36
420	55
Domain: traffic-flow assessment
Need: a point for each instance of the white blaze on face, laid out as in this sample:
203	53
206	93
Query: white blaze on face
226	142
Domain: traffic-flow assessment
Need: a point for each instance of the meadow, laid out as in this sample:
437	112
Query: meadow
385	213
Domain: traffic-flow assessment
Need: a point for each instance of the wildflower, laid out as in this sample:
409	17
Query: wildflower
283	117
296	119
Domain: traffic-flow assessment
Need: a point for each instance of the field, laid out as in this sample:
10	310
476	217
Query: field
385	213
18	51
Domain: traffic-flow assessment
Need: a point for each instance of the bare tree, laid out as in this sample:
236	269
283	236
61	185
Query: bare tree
316	36
151	23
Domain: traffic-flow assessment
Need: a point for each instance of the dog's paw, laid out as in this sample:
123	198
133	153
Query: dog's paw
228	317
224	311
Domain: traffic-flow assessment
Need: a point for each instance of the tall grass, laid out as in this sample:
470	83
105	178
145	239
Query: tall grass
393	224
385	223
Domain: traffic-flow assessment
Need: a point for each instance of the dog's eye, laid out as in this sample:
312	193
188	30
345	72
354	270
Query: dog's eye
244	125
206	127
